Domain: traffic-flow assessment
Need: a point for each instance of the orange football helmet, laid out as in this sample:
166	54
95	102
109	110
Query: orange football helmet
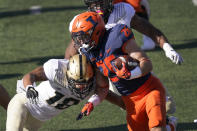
87	29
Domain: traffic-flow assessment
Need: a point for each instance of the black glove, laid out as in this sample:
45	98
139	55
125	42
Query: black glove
32	94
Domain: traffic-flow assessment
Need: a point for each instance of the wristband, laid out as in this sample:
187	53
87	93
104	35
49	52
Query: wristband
28	86
135	73
167	47
94	99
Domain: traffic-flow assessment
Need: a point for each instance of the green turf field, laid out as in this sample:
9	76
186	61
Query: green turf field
28	40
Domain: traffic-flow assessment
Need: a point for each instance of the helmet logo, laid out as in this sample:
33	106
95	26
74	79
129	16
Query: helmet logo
91	20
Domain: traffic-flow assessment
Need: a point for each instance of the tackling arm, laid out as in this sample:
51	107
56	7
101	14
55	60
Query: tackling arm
33	76
28	80
102	88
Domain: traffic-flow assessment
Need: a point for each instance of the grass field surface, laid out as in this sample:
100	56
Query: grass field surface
27	40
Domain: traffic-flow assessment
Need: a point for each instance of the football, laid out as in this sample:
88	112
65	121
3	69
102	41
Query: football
131	63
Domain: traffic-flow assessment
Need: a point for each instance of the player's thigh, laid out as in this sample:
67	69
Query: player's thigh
155	106
137	119
16	113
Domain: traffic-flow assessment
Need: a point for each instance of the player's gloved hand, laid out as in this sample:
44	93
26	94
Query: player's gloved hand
32	94
174	56
123	72
87	109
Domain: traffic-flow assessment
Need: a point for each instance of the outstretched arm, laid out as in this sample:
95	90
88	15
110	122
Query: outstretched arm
145	27
28	80
102	88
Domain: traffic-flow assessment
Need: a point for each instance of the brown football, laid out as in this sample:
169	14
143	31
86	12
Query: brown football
131	63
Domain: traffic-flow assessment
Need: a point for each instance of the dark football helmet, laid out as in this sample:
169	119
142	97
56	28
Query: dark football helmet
87	29
102	7
80	76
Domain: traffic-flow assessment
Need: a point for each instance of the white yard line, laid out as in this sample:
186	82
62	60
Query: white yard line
35	9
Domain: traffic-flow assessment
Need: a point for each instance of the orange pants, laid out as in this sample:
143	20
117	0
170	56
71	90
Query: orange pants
146	106
135	3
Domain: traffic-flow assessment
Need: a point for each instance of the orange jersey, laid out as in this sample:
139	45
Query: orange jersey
135	3
146	106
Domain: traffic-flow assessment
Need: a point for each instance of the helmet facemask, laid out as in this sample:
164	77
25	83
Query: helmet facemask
84	40
81	89
80	76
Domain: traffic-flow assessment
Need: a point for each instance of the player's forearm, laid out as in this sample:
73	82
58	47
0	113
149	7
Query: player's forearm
145	66
28	79
145	27
34	76
99	96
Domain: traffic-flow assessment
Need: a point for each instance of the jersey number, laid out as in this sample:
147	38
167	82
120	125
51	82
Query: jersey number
126	31
53	101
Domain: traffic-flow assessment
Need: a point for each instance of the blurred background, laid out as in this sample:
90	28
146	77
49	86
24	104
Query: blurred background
34	31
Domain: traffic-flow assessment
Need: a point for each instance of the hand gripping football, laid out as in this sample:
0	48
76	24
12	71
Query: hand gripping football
130	62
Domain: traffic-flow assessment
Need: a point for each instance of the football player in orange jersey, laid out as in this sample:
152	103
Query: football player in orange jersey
142	93
123	13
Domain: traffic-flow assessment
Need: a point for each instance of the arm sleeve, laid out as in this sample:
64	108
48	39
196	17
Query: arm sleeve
122	14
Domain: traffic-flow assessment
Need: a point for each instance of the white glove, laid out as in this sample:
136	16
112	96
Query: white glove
172	54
